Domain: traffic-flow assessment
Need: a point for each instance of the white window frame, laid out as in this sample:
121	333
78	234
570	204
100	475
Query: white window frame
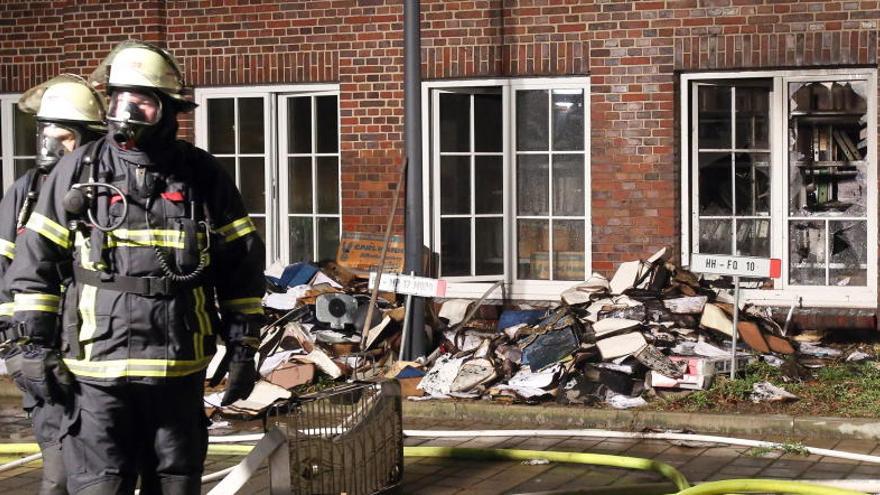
277	190
783	293
7	124
472	287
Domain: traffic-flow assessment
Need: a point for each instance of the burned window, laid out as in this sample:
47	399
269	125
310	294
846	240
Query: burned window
732	158
828	182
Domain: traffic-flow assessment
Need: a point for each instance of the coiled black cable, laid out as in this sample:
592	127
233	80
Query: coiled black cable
163	258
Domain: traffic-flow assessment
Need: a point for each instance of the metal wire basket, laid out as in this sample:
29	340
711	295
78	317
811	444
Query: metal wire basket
347	440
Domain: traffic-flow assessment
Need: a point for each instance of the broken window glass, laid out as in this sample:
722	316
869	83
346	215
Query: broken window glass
715	236
753	237
828	173
715	188
849	253
807	248
752	184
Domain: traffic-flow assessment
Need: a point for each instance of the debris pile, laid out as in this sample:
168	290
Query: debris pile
653	328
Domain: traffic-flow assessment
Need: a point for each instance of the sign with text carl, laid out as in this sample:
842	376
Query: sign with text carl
736	266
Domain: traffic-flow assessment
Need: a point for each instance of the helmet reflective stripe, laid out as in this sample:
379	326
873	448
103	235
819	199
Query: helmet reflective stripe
66	98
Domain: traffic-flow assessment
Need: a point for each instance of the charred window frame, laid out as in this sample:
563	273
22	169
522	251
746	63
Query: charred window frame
508	161
814	202
17	140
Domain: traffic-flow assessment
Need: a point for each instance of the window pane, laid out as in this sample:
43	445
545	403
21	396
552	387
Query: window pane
489	246
753	237
301	239
488	122
25	131
715	236
829	96
455	246
715	188
221	125
568	120
568	185
714	129
807	252
327	125
532	132
849	253
300	183
752	184
22	166
489	187
299	122
328	184
253	184
752	117
250	119
455	185
455	122
532	249
328	238
228	165
532	183
568	249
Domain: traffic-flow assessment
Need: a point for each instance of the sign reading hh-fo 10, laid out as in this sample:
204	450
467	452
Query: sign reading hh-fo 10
738	266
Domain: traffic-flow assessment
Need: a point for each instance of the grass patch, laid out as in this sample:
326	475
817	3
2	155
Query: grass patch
791	448
842	389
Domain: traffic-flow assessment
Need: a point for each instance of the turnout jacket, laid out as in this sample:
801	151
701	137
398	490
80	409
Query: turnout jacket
123	318
10	209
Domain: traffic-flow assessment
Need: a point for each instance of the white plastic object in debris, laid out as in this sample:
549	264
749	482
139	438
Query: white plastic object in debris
767	392
621	345
473	373
716	319
686	305
454	310
857	356
817	350
581	293
625	276
438	380
609	326
620	401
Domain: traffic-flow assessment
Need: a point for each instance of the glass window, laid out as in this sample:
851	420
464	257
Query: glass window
790	157
732	158
511	206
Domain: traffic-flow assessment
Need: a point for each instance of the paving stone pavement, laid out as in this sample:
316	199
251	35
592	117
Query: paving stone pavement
433	476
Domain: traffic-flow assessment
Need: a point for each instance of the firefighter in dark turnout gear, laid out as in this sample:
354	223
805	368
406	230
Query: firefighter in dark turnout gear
68	113
164	258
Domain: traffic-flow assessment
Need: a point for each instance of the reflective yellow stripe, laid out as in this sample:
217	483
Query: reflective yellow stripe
49	229
236	229
118	368
245	305
203	320
7	309
87	312
49	303
7	248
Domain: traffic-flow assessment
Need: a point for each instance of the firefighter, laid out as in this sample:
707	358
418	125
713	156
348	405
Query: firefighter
68	113
163	259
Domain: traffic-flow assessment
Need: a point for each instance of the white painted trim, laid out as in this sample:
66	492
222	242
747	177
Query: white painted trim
476	286
784	293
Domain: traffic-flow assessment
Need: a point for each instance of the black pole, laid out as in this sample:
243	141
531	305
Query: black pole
412	125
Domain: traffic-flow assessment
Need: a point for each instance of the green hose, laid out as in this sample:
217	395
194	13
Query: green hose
663	469
764	486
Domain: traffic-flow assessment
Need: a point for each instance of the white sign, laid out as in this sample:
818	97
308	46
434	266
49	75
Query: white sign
409	284
742	266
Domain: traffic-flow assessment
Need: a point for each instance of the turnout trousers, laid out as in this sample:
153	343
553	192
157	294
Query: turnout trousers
121	430
47	420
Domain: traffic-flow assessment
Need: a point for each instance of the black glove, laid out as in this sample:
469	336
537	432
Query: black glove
242	374
43	374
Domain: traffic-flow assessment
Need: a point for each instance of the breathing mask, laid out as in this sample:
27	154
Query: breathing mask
132	117
54	140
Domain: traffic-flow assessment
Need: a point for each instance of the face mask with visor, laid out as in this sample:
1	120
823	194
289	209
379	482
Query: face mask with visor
54	140
131	114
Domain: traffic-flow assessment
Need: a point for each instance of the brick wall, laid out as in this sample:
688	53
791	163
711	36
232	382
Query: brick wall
631	49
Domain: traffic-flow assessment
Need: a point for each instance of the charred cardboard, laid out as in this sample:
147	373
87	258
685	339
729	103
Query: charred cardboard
610	326
549	348
655	360
621	345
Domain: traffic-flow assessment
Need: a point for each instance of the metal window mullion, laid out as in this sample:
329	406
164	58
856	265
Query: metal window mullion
694	153
827	253
733	169
237	139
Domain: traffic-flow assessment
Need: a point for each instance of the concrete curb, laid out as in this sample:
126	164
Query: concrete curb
556	416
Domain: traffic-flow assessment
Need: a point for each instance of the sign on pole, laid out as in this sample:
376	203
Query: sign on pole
409	285
737	266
